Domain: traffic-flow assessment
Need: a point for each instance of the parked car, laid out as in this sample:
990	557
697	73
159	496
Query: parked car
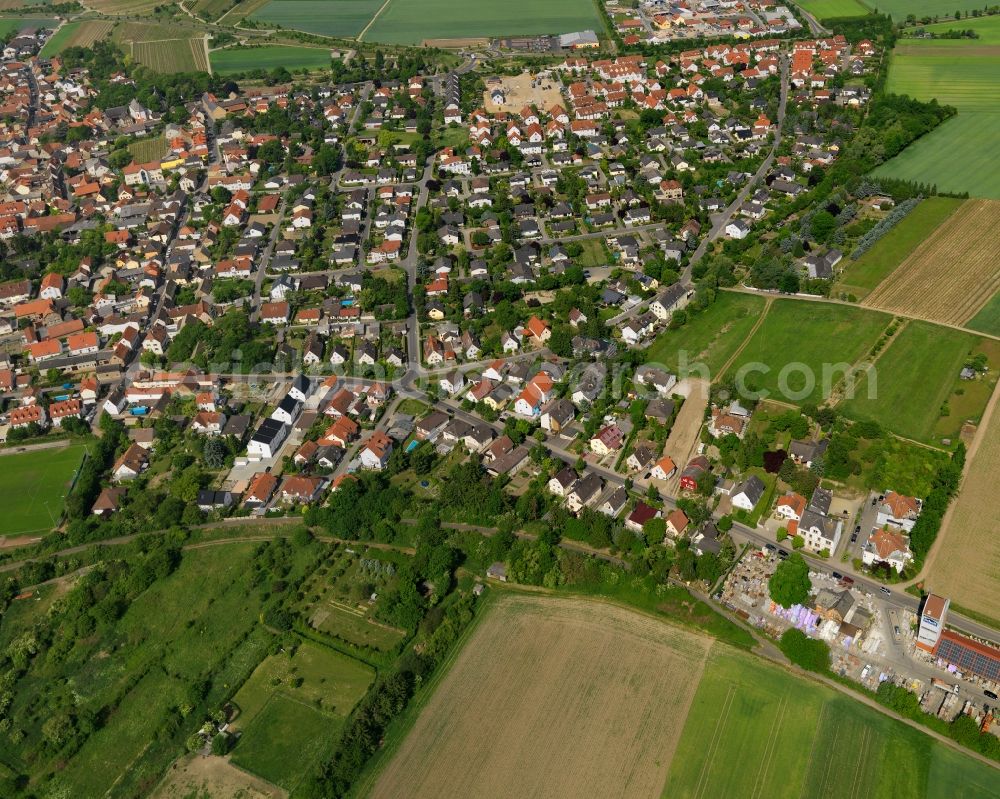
854	538
886	591
838	576
991	695
857	529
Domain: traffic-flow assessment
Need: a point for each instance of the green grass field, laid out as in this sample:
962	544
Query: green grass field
412	21
325	17
754	730
825	9
710	337
799	341
916	375
285	740
988	319
33	485
988	29
863	275
292	708
330	681
245	59
900	9
958	155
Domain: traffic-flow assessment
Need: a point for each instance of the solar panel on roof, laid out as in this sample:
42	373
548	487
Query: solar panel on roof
969	659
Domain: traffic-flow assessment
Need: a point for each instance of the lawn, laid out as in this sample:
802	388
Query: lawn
916	376
33	485
958	155
325	17
826	9
754	730
988	319
800	351
711	337
861	276
245	59
285	740
412	21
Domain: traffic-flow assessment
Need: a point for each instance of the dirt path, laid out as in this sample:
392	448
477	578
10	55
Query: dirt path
685	434
768	302
371	22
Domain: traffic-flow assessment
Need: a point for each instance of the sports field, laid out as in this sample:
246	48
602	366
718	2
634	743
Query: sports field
77	34
33	485
326	17
958	155
951	275
710	337
825	9
245	59
795	353
966	563
552	697
563	697
861	276
915	377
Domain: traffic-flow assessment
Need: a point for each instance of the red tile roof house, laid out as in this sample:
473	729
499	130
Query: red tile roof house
301	489
262	486
22	417
275	313
376	451
65	409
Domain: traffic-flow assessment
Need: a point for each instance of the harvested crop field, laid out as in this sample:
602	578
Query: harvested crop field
965	564
553	697
951	275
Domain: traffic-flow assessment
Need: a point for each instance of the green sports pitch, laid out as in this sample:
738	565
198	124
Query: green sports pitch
34	485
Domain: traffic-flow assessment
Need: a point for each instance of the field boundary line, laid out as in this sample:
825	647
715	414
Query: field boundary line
768	757
703	776
863	758
401	726
812	751
371	22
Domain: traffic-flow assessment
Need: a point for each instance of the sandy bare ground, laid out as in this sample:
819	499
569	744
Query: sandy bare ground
553	697
683	439
964	563
952	274
518	92
198	776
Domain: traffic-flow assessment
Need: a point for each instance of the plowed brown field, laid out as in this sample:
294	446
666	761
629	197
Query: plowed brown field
553	697
952	274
